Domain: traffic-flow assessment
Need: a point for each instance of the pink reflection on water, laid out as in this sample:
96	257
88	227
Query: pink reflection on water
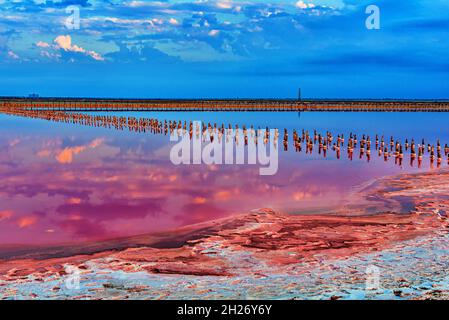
56	189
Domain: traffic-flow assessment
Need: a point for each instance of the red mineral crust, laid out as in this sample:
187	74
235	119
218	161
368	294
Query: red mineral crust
242	243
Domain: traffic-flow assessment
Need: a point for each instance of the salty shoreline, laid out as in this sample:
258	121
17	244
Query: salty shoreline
258	245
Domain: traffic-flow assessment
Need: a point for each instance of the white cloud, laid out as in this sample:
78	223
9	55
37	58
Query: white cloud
13	55
42	44
302	5
50	55
173	21
65	43
214	32
224	4
138	4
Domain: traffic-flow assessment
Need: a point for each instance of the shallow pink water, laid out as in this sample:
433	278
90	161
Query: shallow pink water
66	183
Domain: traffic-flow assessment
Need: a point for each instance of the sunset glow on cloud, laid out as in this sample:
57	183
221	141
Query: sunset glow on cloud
5	214
66	155
26	222
89	198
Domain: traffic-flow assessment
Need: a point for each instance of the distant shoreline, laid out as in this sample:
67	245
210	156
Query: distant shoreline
331	105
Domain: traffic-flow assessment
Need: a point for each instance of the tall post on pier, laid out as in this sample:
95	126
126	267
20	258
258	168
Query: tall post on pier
299	99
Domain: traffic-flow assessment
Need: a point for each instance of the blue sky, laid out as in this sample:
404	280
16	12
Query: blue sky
200	49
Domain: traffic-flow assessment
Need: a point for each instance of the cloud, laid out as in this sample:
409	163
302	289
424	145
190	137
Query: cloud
74	200
223	195
301	195
173	21
13	55
302	5
43	153
42	44
14	142
66	155
96	143
224	4
199	200
84	228
65	43
138	4
205	41
214	32
6	214
26	221
115	209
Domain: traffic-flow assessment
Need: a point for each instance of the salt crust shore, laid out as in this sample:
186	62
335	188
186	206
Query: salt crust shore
390	224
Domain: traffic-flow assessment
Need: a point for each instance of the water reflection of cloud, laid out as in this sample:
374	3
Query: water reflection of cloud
195	213
66	155
119	186
84	229
26	221
6	214
113	209
14	142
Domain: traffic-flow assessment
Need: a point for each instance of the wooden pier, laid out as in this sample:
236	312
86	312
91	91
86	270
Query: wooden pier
81	104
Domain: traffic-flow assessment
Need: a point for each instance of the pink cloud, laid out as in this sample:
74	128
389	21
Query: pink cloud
42	44
14	142
66	155
6	214
96	143
26	221
13	55
43	153
199	200
64	42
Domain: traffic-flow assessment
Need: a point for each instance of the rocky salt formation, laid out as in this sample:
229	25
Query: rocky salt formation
392	217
